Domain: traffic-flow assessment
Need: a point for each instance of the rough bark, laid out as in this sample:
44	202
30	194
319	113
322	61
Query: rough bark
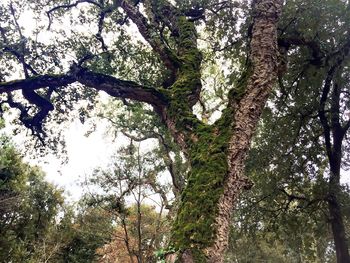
217	153
264	73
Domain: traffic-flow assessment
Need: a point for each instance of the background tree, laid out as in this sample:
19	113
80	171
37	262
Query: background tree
127	245
85	232
28	210
298	154
126	191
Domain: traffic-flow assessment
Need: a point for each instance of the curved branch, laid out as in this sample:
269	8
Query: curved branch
100	28
67	7
119	88
115	87
150	35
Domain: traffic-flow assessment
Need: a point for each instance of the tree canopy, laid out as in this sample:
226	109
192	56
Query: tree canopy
205	69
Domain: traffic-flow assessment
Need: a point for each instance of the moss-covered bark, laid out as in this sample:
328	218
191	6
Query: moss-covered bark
194	225
205	146
217	153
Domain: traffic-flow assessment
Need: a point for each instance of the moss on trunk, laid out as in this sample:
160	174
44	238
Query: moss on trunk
206	148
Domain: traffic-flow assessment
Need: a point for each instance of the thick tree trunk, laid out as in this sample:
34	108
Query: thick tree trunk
264	73
217	153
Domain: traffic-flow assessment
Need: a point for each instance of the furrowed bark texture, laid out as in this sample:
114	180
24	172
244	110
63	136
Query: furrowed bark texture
264	73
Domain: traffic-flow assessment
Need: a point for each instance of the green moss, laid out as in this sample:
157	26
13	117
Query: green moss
188	79
194	225
237	92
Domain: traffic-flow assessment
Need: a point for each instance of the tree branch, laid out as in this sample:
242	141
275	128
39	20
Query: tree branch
115	87
322	111
67	7
119	88
335	111
150	35
176	181
37	82
298	40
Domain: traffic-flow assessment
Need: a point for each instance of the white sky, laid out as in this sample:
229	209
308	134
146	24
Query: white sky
84	155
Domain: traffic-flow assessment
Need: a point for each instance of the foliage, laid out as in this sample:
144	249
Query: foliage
136	123
86	232
125	192
36	225
163	65
291	162
29	209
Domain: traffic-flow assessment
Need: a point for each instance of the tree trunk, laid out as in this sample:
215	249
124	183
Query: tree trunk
217	153
336	218
264	73
334	134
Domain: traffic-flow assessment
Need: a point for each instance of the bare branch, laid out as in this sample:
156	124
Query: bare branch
67	7
150	35
115	87
322	111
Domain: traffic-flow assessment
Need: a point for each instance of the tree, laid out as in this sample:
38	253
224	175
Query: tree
216	152
129	245
327	76
85	232
126	191
28	209
309	126
36	225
